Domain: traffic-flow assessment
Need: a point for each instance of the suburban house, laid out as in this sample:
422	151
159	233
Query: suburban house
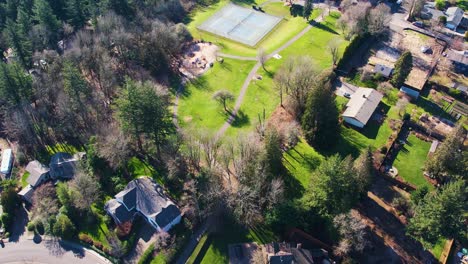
383	70
7	161
285	253
38	173
454	17
144	197
361	106
63	165
459	61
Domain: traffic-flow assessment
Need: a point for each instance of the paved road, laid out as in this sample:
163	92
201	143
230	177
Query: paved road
27	251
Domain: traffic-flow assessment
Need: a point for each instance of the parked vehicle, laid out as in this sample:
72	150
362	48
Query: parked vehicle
418	24
347	95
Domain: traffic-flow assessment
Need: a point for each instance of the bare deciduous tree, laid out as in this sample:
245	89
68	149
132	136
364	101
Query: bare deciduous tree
334	49
262	57
114	146
45	203
85	190
353	233
378	20
223	96
401	105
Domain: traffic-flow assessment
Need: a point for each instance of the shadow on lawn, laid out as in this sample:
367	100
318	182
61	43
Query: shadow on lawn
322	26
240	119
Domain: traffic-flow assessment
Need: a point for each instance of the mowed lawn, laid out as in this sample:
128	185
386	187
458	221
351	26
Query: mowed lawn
284	31
197	107
410	161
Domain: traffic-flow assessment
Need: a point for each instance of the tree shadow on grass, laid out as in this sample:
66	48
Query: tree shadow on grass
200	82
322	26
225	66
345	145
241	119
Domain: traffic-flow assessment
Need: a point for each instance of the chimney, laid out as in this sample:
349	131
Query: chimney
299	246
364	96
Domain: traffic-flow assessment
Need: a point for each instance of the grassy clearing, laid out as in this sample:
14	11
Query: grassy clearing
62	147
196	106
438	248
301	161
410	161
289	27
355	78
24	179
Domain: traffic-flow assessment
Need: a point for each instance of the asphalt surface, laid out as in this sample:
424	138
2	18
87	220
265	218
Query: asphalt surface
28	251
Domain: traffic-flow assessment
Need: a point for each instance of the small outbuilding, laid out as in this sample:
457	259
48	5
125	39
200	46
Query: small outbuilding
361	106
7	161
454	17
410	92
383	70
63	165
27	193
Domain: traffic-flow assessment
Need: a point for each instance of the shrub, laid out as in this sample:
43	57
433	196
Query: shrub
366	76
440	4
98	245
85	238
406	116
466	35
383	150
31	226
146	256
442	20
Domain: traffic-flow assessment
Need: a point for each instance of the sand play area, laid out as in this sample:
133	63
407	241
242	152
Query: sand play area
197	59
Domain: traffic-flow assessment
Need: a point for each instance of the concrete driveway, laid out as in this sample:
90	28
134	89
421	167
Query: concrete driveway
344	87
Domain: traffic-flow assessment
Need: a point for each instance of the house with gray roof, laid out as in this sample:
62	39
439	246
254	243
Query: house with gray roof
361	106
459	60
63	166
38	173
385	71
454	17
144	197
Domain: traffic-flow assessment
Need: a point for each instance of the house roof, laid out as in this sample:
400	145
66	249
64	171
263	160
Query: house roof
119	211
382	69
454	15
148	198
36	170
362	104
458	56
63	165
27	193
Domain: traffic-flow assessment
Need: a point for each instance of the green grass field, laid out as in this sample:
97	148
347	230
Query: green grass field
301	161
410	161
196	106
289	27
98	231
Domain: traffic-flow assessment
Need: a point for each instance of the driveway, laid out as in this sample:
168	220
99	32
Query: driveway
344	87
28	251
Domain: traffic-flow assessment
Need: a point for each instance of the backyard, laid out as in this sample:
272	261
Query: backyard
410	161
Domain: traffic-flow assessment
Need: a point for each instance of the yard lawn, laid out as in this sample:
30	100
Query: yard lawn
289	27
97	231
353	141
410	161
215	249
196	106
301	161
24	179
438	248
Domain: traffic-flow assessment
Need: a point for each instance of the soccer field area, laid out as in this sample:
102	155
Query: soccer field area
244	25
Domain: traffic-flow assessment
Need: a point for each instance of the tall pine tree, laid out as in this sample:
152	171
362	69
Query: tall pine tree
45	16
320	119
402	69
18	40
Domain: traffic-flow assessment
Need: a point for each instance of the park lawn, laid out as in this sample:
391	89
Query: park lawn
284	31
301	161
196	106
314	42
24	179
261	94
410	161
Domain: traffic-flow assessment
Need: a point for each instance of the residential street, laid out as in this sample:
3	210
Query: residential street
27	251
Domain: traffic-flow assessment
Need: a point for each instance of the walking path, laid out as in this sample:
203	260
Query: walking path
246	83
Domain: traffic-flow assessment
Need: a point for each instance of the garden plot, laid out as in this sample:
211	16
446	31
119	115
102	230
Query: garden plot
388	53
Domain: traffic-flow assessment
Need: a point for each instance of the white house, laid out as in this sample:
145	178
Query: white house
361	106
454	17
144	197
7	161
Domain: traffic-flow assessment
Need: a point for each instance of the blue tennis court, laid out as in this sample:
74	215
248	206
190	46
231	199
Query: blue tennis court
240	24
